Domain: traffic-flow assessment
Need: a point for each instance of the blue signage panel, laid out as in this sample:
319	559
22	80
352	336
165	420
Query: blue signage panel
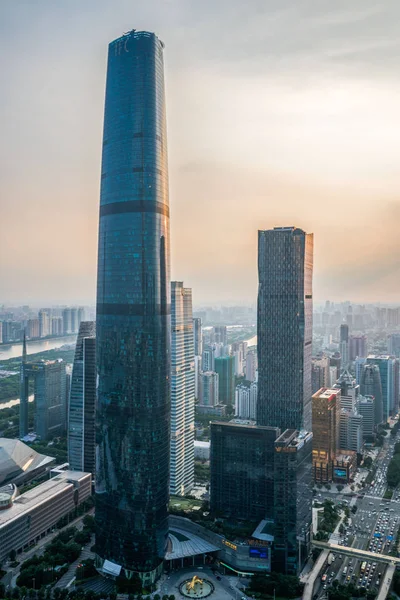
258	552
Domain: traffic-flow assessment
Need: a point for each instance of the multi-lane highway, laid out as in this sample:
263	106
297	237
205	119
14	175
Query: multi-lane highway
373	527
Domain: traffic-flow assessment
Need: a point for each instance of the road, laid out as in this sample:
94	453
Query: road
373	527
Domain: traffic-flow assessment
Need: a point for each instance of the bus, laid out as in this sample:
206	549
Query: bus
363	567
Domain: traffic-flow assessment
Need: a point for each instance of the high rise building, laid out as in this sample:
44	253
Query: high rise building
351	435
50	392
81	315
33	328
319	373
357	346
246	401
133	315
24	394
82	401
225	367
325	420
344	345
198	337
251	365
370	385
242	470
366	408
284	330
394	344
293	501
389	373
1	332
182	391
44	323
220	335
207	360
197	371
56	325
209	389
74	320
66	317
238	351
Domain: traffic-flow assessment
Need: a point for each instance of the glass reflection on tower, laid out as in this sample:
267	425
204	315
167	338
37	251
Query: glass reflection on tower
133	322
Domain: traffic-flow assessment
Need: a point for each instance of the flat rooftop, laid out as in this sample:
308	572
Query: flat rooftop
39	494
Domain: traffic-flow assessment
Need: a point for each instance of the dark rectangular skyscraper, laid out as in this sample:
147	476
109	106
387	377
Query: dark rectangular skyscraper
285	266
133	315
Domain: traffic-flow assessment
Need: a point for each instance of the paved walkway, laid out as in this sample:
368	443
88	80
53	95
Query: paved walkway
69	576
386	583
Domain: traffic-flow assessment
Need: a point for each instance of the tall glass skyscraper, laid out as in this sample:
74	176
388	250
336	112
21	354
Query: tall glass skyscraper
133	315
82	401
182	390
284	330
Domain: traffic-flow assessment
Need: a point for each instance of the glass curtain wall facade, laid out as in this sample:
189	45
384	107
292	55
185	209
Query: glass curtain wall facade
242	471
370	385
284	328
182	391
225	368
133	314
82	401
293	501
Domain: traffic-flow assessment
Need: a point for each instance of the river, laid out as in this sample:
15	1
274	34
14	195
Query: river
14	402
34	347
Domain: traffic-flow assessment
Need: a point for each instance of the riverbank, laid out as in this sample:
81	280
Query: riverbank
14	350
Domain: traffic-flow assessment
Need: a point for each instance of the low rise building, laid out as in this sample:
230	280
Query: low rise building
29	517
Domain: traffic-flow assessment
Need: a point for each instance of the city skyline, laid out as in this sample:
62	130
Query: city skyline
257	112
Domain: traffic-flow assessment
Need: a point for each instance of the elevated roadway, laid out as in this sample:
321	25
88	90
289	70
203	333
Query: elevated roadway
358	553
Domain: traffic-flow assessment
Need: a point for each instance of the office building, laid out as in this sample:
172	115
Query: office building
333	376
242	470
350	391
325	420
389	373
351	435
44	323
66	317
357	346
366	408
74	320
32	330
394	344
251	365
370	385
50	393
1	332
225	368
81	315
207	360
246	401
220	335
197	372
133	315
198	337
182	391
209	389
82	401
27	518
292	501
344	345
319	373
284	330
24	393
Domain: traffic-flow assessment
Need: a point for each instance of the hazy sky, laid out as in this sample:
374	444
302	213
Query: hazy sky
280	112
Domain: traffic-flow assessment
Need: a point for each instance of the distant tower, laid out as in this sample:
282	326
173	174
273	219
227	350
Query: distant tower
82	402
24	394
182	390
344	345
284	331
